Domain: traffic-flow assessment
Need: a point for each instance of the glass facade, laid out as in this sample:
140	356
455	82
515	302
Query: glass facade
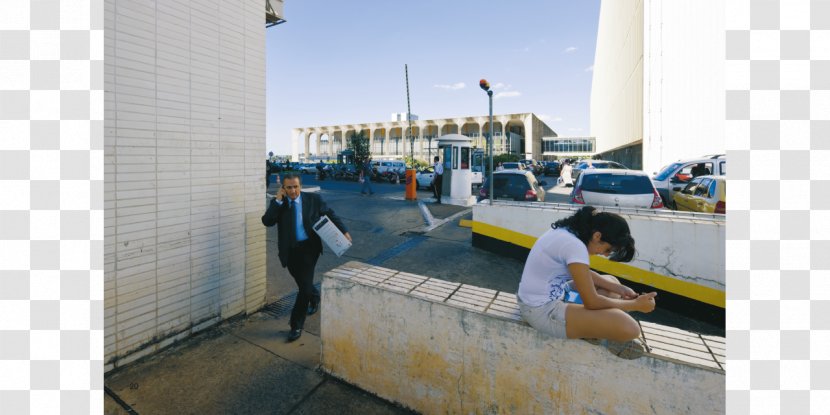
568	145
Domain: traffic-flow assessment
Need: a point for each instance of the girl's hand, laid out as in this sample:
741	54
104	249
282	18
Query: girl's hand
627	293
645	302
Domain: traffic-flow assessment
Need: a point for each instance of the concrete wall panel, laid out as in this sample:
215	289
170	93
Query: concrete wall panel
185	131
673	246
437	358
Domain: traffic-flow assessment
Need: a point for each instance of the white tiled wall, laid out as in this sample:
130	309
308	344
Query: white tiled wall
184	142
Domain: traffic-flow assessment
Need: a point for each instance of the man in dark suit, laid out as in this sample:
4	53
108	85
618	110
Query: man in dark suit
299	246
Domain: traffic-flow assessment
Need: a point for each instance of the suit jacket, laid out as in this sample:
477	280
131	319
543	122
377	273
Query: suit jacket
313	208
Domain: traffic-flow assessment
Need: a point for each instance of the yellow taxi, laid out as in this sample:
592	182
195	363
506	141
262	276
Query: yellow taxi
706	194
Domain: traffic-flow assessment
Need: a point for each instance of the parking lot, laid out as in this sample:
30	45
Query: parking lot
391	232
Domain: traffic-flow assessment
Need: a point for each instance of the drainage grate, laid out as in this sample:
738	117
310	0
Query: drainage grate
283	306
396	250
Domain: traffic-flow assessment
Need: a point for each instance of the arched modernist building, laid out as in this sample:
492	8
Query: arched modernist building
657	91
386	139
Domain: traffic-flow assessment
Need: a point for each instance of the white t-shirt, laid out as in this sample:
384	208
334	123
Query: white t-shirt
546	269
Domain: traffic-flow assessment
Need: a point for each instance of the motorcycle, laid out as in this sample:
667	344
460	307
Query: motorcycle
394	176
346	173
323	172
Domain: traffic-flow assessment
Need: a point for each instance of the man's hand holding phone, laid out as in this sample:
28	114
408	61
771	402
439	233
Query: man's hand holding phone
280	194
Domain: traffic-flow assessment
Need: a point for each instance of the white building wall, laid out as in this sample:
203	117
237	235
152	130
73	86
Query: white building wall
658	77
184	138
617	86
684	102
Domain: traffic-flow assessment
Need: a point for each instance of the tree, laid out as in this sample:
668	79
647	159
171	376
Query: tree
359	143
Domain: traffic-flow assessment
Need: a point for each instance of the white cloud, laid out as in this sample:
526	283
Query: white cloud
507	94
589	69
455	86
499	86
570	49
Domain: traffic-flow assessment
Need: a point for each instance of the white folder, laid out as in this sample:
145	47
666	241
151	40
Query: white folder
331	236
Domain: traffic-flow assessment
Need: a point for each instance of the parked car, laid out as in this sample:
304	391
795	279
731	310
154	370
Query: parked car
519	185
615	187
512	165
551	168
423	178
674	177
533	166
705	194
594	164
307	168
478	176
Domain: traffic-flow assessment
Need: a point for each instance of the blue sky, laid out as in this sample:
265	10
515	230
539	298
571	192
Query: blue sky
336	62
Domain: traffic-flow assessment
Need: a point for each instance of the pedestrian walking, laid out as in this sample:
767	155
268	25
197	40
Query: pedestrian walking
366	174
267	174
437	179
294	212
566	175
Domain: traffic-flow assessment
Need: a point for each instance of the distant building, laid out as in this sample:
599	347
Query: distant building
657	91
520	134
401	116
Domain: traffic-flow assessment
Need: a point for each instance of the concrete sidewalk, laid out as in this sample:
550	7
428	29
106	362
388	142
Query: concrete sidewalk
244	366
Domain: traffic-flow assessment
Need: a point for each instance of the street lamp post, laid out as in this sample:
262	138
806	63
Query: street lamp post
486	87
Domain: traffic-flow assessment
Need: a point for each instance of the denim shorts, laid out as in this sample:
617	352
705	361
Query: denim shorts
548	318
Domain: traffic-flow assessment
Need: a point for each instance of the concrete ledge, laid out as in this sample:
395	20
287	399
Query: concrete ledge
442	347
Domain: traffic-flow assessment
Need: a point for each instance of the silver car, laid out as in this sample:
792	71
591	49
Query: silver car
616	187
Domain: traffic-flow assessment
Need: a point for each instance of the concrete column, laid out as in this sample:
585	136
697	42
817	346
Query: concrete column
421	141
307	144
295	144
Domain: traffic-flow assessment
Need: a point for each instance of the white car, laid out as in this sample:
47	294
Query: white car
616	187
673	178
423	178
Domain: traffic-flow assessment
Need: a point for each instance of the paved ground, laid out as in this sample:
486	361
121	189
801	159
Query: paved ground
245	366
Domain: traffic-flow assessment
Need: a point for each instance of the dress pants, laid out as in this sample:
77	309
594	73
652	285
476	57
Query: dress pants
301	263
438	186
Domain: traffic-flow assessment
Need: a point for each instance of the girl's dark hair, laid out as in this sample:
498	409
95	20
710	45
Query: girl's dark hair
613	227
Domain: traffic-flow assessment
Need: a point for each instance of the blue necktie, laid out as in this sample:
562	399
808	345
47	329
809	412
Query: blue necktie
293	221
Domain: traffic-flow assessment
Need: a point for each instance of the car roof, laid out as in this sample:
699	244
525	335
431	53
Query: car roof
702	160
621	172
517	172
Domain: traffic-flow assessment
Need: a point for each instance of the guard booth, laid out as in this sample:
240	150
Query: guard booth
456	155
345	157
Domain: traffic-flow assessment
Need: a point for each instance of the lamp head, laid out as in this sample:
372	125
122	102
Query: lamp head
484	84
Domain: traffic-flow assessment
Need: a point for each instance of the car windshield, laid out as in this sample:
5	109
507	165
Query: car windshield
617	184
664	174
511	184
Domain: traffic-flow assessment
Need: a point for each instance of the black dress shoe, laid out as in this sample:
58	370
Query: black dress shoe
313	308
294	334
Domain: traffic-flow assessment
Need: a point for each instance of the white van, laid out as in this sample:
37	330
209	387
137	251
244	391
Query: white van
673	178
386	165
